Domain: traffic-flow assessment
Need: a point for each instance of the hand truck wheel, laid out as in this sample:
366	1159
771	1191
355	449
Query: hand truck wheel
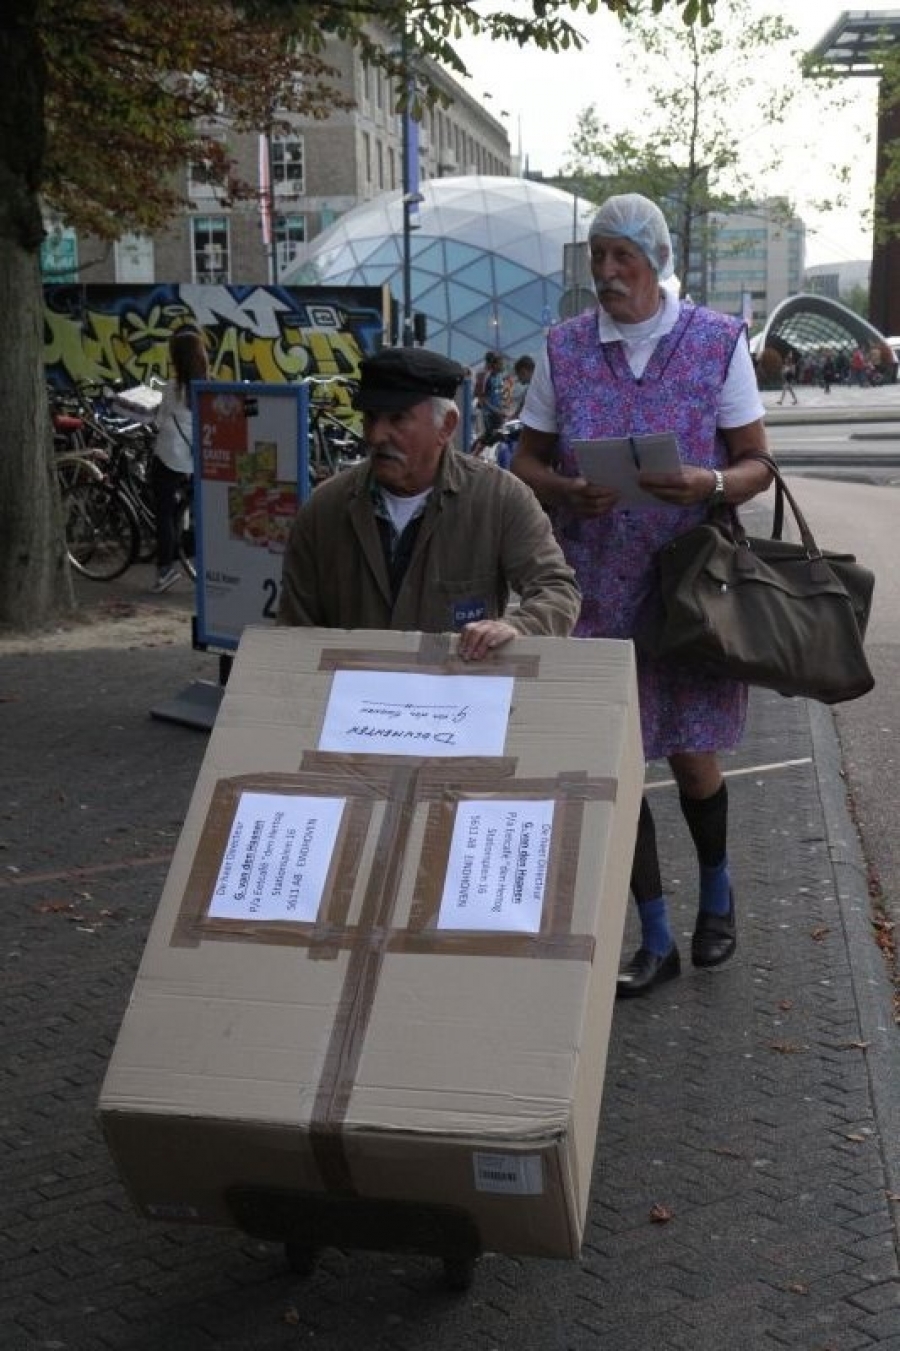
459	1272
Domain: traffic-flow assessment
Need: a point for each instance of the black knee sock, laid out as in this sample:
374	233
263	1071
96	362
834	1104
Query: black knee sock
707	820
646	882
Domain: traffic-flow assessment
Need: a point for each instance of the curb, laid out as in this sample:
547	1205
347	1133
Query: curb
869	977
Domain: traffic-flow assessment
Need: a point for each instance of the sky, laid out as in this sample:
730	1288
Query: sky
539	95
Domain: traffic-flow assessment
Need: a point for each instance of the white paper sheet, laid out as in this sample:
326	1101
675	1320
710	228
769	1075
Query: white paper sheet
277	858
616	461
394	713
497	869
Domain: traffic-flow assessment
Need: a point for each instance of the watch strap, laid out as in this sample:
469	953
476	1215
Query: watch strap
717	496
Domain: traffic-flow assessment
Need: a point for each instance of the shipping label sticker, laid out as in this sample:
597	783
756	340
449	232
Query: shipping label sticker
497	869
395	713
277	858
509	1174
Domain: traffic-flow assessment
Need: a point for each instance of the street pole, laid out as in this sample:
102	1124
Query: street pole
267	200
406	337
409	147
273	243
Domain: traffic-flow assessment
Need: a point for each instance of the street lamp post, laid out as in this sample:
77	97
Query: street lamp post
411	195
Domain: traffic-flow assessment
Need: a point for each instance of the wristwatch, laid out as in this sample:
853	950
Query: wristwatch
717	496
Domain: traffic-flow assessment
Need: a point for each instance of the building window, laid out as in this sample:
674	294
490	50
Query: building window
210	249
290	233
367	157
134	258
287	165
200	179
59	254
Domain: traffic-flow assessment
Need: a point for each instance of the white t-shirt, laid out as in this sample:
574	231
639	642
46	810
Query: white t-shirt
173	444
402	509
739	401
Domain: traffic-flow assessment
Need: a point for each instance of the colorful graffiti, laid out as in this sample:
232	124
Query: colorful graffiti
273	334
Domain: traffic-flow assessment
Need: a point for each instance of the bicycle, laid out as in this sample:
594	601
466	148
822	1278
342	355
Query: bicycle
101	530
120	449
334	444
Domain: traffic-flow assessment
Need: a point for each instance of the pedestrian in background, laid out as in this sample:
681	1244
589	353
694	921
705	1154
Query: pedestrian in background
523	370
788	378
646	362
172	464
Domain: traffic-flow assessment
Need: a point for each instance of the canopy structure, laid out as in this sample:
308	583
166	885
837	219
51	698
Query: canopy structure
810	325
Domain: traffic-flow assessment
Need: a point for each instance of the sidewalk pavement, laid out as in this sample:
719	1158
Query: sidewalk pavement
747	1174
844	403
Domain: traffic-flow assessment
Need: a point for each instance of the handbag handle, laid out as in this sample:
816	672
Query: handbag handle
782	494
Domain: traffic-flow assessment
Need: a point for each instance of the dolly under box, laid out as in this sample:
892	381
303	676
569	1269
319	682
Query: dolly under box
380	981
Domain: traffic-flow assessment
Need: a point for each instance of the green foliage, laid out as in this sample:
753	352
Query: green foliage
694	94
137	90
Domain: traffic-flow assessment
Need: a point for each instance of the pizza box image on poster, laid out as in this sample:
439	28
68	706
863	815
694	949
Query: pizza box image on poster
250	473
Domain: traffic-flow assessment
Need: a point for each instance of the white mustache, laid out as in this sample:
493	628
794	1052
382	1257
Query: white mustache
387	452
617	288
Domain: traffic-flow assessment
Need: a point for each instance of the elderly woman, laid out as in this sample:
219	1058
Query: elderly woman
646	362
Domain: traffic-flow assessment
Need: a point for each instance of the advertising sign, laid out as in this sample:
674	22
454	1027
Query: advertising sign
251	469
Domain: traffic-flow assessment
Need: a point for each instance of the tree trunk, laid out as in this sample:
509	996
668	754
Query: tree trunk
35	583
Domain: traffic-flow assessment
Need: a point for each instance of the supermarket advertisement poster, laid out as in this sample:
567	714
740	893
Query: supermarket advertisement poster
250	454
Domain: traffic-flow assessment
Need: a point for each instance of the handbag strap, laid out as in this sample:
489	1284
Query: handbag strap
782	494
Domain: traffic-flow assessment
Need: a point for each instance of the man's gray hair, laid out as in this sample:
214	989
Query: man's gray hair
441	407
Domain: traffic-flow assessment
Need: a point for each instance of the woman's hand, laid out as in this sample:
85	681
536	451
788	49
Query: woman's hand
682	489
587	499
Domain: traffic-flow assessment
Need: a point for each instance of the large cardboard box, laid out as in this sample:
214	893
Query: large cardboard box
377	994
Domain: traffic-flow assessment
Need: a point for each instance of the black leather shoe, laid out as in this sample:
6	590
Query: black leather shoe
715	937
645	971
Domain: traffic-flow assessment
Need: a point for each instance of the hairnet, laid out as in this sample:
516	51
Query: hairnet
631	216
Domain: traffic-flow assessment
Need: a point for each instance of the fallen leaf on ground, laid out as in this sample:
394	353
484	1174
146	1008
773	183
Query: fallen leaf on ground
661	1214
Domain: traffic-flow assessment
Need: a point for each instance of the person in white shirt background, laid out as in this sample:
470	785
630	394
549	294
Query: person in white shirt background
172	464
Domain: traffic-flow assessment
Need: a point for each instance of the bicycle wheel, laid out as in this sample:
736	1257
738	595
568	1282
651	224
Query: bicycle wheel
102	535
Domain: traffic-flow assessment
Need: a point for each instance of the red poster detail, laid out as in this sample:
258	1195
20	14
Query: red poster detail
223	434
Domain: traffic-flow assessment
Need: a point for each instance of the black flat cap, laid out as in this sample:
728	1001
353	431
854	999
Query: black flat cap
399	377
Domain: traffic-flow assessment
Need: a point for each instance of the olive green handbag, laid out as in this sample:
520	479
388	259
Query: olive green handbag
787	616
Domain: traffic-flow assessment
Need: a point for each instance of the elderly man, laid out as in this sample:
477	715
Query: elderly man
645	362
421	537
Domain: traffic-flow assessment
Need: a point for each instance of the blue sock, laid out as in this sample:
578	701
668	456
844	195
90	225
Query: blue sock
715	889
656	936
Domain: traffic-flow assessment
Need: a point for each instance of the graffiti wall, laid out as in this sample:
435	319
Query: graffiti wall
259	333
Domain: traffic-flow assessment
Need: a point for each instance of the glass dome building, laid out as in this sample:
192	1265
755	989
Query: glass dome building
486	260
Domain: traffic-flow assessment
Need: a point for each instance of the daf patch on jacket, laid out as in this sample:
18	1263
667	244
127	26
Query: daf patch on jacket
467	611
